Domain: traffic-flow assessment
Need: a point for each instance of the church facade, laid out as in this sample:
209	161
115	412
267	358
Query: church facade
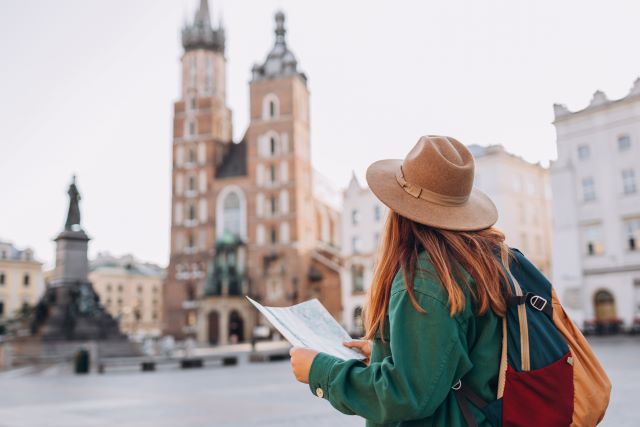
246	220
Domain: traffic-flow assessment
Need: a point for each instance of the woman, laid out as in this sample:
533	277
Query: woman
435	305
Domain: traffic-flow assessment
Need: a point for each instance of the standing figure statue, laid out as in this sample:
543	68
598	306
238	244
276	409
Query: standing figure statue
73	216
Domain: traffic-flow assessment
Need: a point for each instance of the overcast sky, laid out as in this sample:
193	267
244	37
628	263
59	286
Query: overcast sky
87	87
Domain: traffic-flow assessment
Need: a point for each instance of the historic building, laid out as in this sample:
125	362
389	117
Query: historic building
521	191
131	291
246	219
21	279
363	217
596	209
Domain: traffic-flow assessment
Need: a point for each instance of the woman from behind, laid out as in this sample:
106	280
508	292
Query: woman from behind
435	305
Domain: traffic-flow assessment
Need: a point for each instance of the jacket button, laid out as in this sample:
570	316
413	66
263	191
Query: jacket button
319	393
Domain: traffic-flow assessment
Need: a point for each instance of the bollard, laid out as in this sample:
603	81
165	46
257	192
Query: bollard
81	362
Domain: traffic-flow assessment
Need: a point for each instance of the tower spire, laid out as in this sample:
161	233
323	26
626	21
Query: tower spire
281	31
203	19
200	34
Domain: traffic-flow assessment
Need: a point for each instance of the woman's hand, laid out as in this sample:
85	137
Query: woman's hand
363	346
301	360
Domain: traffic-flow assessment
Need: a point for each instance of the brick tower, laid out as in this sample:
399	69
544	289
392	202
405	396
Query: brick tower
202	133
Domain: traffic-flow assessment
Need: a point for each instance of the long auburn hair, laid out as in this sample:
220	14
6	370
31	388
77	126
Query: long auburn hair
449	251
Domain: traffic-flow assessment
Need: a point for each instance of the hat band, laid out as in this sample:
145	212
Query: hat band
428	195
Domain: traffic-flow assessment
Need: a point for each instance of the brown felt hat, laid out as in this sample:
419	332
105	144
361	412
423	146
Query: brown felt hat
433	185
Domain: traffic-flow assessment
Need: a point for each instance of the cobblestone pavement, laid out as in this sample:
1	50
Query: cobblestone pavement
264	395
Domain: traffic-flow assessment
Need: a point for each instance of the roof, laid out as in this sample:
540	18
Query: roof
234	163
280	62
126	264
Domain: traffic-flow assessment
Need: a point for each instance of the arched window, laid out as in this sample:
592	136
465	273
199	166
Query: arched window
270	107
232	214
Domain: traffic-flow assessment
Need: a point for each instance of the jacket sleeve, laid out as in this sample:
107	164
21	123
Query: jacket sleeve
427	358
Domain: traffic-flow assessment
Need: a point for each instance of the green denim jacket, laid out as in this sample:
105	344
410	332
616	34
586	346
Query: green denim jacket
409	379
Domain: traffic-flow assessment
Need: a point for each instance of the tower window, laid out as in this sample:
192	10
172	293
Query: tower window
270	107
272	146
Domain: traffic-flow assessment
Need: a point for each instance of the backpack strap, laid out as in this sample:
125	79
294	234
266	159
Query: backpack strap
464	395
535	301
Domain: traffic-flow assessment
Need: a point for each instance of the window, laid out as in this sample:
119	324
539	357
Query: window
584	152
355	244
192	155
139	289
624	142
273	203
26	279
192	128
191	292
628	181
1	308
190	242
358	322
274	235
588	189
120	288
108	287
632	232
232	214
272	173
272	145
355	217
192	183
2	279
592	240
272	109
192	213
357	278
377	212
284	232
192	103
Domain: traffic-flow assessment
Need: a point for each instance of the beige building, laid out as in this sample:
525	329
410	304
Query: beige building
596	210
21	279
131	291
522	194
363	218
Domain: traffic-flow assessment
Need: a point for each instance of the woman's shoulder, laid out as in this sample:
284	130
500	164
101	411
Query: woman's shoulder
426	281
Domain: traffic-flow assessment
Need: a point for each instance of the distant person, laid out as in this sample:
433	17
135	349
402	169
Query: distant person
444	282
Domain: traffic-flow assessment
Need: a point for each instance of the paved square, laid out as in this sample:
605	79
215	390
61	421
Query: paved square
244	395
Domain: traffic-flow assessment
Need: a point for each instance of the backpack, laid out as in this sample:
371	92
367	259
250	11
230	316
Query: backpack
548	373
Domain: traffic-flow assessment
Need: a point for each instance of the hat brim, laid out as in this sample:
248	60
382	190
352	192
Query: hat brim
477	213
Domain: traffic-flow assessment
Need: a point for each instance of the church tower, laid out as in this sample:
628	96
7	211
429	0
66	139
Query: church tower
279	160
202	133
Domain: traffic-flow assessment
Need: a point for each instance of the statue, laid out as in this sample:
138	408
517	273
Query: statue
73	216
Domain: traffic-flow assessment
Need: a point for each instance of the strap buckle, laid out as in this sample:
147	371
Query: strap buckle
457	386
538	302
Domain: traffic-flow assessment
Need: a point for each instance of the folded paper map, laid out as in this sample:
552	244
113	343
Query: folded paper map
310	325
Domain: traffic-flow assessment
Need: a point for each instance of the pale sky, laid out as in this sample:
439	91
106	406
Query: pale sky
87	87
